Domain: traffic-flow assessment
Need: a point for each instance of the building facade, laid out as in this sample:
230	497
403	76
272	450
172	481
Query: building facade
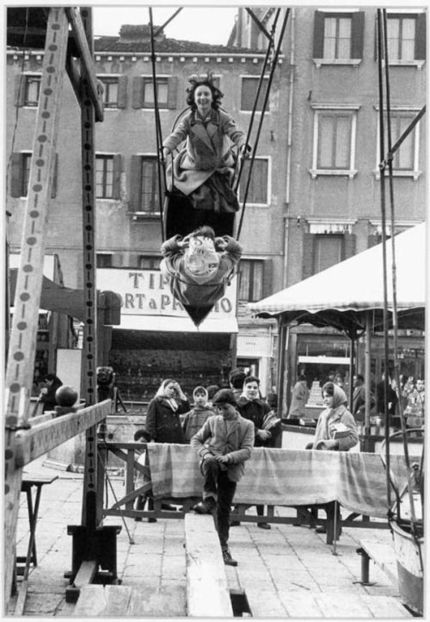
313	198
331	191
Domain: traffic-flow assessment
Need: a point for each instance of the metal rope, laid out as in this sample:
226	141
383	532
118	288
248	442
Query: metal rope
257	96
384	250
266	98
161	170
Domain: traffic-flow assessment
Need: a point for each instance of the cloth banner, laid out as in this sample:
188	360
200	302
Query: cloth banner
283	477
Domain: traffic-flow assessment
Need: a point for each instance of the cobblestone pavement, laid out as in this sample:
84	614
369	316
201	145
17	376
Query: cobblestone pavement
287	571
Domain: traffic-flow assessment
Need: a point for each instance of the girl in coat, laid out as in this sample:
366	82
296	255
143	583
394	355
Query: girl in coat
336	430
163	423
203	170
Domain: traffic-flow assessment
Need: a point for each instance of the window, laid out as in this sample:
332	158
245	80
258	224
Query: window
250	280
19	174
258	191
328	251
338	37
104	176
148	262
334	141
26	164
108	176
406	37
144	195
110	91
143	92
162	92
104	260
406	157
31	90
323	250
249	93
114	91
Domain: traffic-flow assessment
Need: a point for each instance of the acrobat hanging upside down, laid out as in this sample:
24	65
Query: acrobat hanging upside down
199	267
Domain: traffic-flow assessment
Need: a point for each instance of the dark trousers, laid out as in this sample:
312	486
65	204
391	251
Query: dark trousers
218	485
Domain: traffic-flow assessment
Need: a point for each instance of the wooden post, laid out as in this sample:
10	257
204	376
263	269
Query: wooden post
89	349
22	346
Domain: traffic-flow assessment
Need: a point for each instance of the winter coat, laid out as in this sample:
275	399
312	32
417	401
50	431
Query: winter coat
255	411
208	148
233	438
186	289
336	423
193	420
164	424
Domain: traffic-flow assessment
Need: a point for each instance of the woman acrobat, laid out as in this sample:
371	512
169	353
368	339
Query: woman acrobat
199	180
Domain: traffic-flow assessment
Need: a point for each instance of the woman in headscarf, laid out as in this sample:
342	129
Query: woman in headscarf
163	423
336	427
336	430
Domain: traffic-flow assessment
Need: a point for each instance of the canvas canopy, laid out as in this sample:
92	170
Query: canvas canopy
341	295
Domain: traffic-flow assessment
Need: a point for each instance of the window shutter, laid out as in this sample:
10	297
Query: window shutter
375	39
357	35
349	246
172	93
420	37
138	92
16	174
122	91
19	90
308	255
135	182
54	176
267	277
116	189
318	34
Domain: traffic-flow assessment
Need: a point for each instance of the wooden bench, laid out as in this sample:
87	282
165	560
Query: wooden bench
384	557
207	590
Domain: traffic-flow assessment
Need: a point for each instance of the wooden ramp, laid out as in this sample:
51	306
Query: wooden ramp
207	590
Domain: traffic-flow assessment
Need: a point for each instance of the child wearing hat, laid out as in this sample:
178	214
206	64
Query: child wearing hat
223	443
195	418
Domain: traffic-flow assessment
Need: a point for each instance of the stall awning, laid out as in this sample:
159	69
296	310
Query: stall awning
339	295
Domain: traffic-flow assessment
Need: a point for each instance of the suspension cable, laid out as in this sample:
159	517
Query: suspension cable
384	252
266	98
160	159
257	96
413	519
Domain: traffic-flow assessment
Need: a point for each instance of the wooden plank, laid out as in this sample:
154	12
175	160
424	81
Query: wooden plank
86	573
22	343
384	556
207	590
34	442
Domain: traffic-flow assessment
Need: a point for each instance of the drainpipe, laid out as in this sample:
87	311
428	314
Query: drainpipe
289	143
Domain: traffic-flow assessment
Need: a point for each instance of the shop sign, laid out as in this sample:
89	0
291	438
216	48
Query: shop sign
147	292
